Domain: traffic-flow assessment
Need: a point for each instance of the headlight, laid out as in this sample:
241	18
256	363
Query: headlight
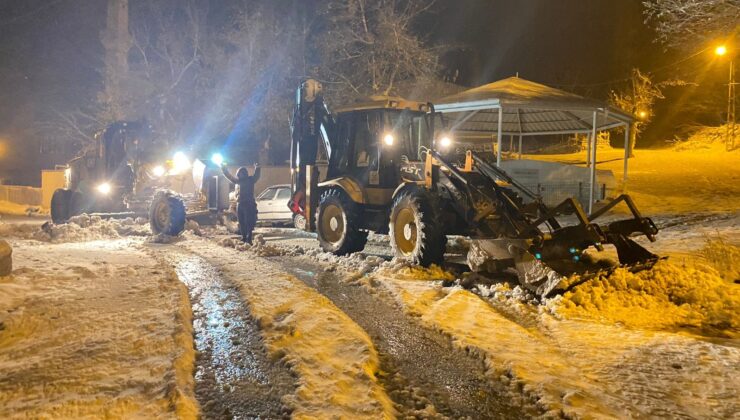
104	188
217	158
445	142
388	139
158	171
180	163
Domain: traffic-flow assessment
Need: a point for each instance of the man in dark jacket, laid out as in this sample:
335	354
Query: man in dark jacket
246	207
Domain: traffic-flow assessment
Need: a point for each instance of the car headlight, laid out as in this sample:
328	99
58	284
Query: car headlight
180	163
158	171
104	188
388	139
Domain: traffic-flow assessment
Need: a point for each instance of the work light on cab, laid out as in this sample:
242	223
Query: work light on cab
388	139
104	188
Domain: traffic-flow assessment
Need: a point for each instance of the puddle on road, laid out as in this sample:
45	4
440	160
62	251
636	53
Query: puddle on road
234	377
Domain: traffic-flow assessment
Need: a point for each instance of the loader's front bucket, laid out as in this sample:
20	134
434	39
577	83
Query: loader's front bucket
495	255
541	260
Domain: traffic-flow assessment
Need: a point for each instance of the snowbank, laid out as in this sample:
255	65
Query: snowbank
667	297
333	358
79	229
95	330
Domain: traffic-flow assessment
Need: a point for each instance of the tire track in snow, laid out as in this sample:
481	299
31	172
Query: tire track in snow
423	373
234	377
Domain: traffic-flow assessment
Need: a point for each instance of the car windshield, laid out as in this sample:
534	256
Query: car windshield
283	194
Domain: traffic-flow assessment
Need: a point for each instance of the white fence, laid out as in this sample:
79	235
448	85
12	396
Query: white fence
20	194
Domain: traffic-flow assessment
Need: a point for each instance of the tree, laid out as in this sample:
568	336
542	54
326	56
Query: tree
367	47
638	99
684	24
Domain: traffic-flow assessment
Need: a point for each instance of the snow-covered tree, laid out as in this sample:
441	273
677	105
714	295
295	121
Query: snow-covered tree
367	47
685	24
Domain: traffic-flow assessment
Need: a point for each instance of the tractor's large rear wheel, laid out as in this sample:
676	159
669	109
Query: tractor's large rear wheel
337	224
61	205
415	230
167	214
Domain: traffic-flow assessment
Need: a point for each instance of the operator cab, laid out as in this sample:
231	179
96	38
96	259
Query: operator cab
371	141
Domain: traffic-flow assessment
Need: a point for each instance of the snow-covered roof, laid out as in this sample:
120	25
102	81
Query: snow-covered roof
528	108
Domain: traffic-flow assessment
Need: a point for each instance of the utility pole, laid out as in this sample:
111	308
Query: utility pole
730	134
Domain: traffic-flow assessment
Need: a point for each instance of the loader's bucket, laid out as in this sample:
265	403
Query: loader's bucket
495	255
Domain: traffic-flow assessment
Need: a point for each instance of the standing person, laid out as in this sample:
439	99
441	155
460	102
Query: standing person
246	207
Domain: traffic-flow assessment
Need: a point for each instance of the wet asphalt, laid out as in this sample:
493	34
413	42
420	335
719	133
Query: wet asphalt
421	370
234	377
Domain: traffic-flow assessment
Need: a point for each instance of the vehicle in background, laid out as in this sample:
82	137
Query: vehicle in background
272	206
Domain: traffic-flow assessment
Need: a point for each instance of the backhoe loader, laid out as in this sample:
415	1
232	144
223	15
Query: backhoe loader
392	169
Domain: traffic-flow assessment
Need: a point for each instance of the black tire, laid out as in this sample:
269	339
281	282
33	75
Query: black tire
60	206
299	221
167	214
337	224
415	229
77	204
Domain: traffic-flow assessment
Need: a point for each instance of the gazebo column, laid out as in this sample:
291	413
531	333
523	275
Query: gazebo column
498	136
627	128
520	147
593	166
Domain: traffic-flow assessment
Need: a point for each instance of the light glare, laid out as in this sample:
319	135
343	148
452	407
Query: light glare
388	139
158	170
104	188
217	158
720	50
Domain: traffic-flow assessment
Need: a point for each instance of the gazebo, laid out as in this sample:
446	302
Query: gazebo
522	108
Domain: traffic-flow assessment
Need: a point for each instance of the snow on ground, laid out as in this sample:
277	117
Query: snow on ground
673	180
334	359
94	329
578	368
7	207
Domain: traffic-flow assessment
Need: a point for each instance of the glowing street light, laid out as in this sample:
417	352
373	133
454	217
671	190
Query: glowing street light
720	51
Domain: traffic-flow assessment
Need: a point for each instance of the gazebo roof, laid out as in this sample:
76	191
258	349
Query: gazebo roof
528	109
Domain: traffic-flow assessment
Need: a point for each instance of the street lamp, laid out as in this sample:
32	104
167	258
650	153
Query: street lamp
720	51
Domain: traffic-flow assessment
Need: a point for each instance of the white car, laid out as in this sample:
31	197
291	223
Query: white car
272	207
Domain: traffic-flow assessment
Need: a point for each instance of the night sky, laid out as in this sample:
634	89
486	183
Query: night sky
49	52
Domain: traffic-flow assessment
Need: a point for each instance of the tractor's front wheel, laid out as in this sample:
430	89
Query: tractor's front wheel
337	224
415	230
61	205
167	214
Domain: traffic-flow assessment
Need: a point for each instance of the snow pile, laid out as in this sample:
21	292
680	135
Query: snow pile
79	229
665	297
259	247
723	257
194	227
405	270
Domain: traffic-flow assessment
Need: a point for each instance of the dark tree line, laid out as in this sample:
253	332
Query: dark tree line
205	72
